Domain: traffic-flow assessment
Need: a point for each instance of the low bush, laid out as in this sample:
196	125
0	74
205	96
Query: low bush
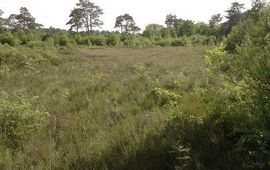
164	43
18	120
97	40
39	44
27	58
179	42
63	40
114	40
164	97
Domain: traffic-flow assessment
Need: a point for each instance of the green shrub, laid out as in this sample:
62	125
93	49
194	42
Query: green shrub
113	40
136	41
39	44
80	40
63	40
9	38
129	41
164	97
24	37
212	40
179	42
50	41
164	43
143	42
98	40
18	120
197	40
28	58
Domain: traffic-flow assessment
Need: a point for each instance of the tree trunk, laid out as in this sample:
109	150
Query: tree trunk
87	25
91	25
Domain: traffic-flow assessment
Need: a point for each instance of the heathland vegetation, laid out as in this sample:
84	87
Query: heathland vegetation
182	96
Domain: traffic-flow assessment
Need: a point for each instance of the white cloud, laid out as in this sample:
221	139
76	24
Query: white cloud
55	12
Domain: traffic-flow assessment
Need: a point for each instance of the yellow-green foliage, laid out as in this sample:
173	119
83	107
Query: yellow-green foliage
29	58
18	120
164	97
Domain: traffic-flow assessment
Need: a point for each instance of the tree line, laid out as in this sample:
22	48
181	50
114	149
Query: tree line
85	19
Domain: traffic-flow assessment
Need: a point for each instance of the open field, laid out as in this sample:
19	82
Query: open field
104	104
185	96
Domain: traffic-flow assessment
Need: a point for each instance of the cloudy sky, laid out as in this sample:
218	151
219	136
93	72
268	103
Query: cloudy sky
55	12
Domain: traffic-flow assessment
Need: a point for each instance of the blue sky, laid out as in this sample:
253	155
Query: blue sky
55	12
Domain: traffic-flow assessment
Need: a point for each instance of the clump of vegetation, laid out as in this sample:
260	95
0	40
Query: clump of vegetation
21	57
18	120
237	116
164	97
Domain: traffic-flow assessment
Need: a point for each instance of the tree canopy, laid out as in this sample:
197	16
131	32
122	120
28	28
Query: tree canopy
126	23
91	14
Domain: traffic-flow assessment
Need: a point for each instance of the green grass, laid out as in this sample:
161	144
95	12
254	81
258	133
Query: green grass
107	106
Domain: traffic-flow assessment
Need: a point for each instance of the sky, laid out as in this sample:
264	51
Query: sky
55	13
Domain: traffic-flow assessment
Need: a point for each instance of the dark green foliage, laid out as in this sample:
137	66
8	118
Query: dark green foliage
234	16
185	28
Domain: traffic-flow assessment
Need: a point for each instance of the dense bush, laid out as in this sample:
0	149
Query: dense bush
25	58
39	44
18	120
163	97
180	42
81	40
114	40
9	38
26	37
164	43
63	40
231	130
98	40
